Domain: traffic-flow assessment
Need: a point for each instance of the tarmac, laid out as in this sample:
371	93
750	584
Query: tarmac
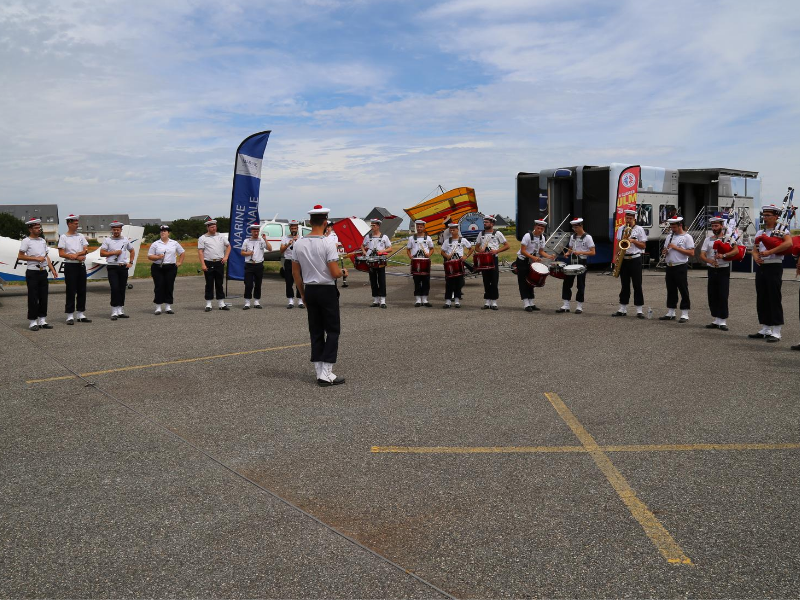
470	454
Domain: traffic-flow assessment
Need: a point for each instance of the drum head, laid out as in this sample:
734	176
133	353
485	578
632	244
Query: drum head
574	269
540	268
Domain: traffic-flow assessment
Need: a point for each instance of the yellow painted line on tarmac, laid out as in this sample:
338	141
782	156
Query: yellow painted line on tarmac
168	362
696	447
653	528
474	449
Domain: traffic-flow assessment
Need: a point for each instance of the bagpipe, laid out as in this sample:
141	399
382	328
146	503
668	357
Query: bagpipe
730	241
781	230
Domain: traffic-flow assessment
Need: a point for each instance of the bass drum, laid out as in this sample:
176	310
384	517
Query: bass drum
537	275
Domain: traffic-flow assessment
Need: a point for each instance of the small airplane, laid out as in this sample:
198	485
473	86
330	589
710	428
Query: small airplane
274	231
13	269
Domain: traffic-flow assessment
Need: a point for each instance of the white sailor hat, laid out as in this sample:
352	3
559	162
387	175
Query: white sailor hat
253	226
453	225
577	221
771	208
375	222
631	212
164	228
675	219
420	222
489	218
716	220
211	222
72	217
32	222
541	222
293	222
115	224
319	210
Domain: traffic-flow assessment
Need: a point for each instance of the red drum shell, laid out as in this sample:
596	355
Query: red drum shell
484	261
537	275
421	266
557	270
453	268
377	262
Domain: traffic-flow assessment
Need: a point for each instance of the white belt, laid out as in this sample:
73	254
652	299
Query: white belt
677	264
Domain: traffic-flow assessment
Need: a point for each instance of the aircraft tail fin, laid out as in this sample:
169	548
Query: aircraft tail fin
135	234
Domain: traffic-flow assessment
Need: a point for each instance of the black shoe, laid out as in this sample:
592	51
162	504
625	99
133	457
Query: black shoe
208	309
345	284
457	305
578	311
123	316
301	306
528	309
428	304
46	326
34	328
756	336
712	326
771	339
683	320
723	328
495	307
446	306
337	381
485	307
795	347
246	307
113	317
224	307
158	312
84	320
383	306
288	306
170	312
418	304
619	314
666	318
640	315
258	306
373	305
70	322
562	310
534	307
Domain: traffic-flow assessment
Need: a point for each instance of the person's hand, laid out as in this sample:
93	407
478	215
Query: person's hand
224	260
128	265
204	266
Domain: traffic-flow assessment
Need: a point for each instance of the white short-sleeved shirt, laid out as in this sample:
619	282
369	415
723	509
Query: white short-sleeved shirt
711	254
112	244
581	243
213	246
417	243
638	234
72	244
332	235
313	253
492	240
170	249
288	254
681	240
772	258
34	247
532	244
457	247
377	244
258	247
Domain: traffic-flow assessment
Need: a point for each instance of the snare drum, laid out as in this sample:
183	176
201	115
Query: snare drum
537	275
453	268
377	262
421	266
572	270
484	261
360	263
557	269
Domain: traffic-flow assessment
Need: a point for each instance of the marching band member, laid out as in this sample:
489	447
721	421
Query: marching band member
719	275
531	249
287	249
315	269
33	249
166	255
214	251
768	278
495	242
679	248
455	247
119	254
253	249
581	245
631	270
73	248
420	245
376	244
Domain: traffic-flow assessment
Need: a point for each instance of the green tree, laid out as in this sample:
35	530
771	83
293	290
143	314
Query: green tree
12	227
223	224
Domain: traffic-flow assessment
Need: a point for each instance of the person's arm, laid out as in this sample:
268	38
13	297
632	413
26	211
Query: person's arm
26	257
131	257
180	255
151	255
104	250
227	252
469	249
266	241
785	245
297	274
50	264
62	250
705	259
641	244
684	251
523	248
201	254
505	246
244	252
408	249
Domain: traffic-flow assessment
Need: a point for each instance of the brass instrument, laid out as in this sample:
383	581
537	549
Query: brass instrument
622	247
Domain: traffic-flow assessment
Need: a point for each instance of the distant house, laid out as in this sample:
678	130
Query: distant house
203	218
500	221
390	222
48	213
143	222
98	227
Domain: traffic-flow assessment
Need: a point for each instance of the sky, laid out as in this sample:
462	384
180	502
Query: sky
138	107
